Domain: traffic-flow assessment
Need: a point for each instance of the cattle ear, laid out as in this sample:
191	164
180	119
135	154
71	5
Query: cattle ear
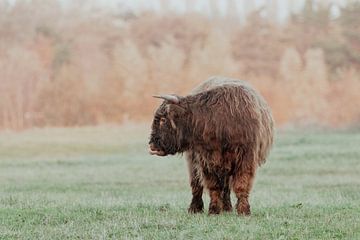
175	110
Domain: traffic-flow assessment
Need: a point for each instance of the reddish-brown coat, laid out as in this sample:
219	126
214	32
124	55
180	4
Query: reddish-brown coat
226	129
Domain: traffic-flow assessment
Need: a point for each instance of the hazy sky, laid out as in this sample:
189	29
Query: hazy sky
199	5
179	5
202	5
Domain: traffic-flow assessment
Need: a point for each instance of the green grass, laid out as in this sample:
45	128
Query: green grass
100	183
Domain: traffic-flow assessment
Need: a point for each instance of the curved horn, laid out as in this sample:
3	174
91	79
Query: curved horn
170	98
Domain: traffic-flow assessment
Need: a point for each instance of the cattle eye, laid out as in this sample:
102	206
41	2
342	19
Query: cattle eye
163	120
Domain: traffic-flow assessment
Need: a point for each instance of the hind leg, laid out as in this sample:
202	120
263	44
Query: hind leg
197	204
242	184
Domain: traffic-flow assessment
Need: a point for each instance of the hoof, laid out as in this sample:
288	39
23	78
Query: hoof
227	208
213	209
196	207
244	210
194	210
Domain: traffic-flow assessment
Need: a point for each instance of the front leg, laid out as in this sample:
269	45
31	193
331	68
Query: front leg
227	207
197	204
213	184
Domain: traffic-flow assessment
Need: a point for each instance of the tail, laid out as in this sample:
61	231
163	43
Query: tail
266	136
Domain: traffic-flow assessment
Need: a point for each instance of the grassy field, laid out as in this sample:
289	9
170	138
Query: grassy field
100	183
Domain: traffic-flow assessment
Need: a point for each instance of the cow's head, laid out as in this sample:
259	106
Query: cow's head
169	133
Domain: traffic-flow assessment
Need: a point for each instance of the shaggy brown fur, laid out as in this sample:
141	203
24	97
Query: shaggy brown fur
226	129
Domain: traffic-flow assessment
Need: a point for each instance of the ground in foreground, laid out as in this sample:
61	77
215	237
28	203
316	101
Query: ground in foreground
100	183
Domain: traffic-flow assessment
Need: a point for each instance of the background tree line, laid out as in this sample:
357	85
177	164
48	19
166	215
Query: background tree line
78	65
